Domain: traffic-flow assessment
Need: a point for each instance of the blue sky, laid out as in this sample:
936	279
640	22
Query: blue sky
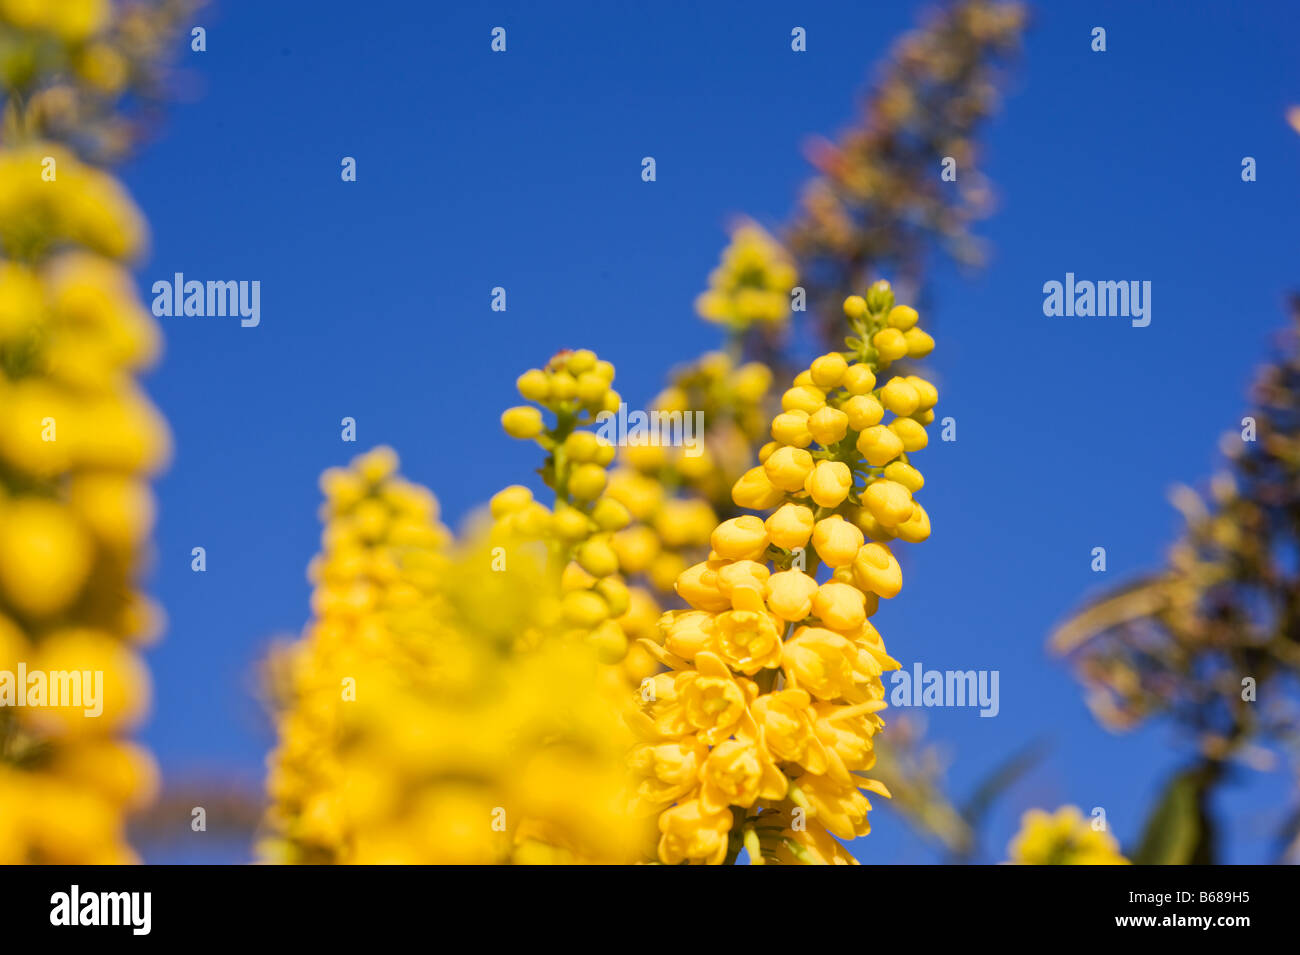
523	170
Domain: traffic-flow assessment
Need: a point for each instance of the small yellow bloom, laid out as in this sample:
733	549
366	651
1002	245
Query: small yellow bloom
790	526
788	468
836	540
790	594
876	570
879	445
829	483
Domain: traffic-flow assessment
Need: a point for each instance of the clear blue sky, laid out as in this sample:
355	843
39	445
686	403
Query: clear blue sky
523	170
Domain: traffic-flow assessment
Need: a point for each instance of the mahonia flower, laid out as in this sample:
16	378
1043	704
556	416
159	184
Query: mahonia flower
751	285
417	717
766	716
579	529
1064	837
78	443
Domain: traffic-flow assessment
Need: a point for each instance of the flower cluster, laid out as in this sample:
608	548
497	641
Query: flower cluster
758	733
1064	837
433	711
673	493
71	62
579	529
78	442
751	285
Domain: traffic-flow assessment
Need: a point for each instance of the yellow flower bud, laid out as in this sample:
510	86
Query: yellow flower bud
563	386
788	468
879	445
570	523
580	361
890	343
919	344
751	381
534	385
755	491
836	540
855	306
910	433
582	446
828	370
636	548
827	426
592	389
791	427
609	642
665	569
859	379
916	528
840	606
532	520
587	481
612	401
790	526
646	457
790	594
698	586
889	502
876	570
905	475
522	421
616	595
863	411
610	515
902	317
829	483
45	556
927	393
573	577
766	450
584	608
741	538
803	398
899	397
510	499
597	558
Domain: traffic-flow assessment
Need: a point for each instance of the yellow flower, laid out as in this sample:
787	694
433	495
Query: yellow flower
755	491
788	468
1062	838
737	773
741	538
748	641
829	483
836	541
790	526
876	570
889	502
790	594
692	834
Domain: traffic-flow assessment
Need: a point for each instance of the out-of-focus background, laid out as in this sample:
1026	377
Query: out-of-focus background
522	170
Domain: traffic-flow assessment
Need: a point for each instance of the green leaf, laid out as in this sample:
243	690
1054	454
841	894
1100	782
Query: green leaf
1179	830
